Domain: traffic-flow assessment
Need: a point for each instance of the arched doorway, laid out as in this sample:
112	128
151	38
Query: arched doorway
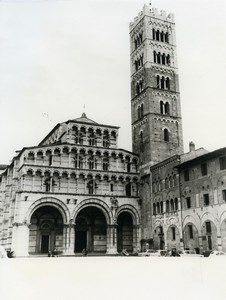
46	230
90	230
191	237
159	240
125	232
209	236
173	237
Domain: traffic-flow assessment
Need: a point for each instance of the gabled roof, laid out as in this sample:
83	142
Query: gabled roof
202	158
84	119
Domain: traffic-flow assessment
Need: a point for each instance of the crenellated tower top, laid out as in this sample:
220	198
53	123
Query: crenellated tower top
152	12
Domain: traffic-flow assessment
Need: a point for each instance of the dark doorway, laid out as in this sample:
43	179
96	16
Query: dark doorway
91	230
45	244
125	232
81	241
46	230
209	239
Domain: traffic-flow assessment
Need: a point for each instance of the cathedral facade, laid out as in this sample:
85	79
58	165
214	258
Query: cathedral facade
77	190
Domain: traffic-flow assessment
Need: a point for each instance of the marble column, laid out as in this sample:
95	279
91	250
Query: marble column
20	241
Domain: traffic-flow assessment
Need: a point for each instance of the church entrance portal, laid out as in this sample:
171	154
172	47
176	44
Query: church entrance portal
46	230
44	243
125	232
90	230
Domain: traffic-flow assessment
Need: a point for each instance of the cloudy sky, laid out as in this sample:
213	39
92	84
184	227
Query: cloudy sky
58	55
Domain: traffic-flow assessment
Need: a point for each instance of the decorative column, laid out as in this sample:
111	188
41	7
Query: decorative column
112	229
136	238
69	238
200	242
219	240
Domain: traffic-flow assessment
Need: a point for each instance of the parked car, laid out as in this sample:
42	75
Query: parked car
150	252
216	253
164	252
189	253
3	253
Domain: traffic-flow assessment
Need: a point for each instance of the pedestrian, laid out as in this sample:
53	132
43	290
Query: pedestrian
84	252
55	252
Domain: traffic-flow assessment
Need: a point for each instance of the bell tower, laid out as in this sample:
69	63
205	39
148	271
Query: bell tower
155	97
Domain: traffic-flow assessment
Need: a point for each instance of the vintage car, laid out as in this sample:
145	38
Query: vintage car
216	253
149	252
189	253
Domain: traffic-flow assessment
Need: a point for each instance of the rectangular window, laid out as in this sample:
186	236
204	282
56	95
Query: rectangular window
224	195
206	199
222	161
188	202
112	187
186	175
190	231
173	234
204	169
208	227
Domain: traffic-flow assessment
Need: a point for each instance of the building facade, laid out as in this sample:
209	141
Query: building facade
75	190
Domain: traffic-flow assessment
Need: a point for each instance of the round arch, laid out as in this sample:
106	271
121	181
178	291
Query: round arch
96	203
131	210
50	201
191	219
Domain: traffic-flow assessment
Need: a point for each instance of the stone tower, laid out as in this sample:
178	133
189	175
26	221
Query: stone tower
155	97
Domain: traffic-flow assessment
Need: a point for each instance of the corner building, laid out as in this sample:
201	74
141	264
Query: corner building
75	190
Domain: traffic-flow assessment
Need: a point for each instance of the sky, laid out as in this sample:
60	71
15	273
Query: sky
59	58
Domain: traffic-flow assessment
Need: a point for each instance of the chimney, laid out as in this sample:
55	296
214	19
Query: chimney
191	147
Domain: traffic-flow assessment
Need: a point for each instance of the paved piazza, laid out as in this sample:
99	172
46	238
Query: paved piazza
112	278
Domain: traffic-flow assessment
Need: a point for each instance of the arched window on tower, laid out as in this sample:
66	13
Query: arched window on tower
167	108
142	110
163	82
166	135
158	208
161	107
163	59
153	34
154	55
168	59
166	37
138	112
167	205
158	81
162	36
141	138
157	35
159	58
171	205
167	83
176	204
154	209
137	88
